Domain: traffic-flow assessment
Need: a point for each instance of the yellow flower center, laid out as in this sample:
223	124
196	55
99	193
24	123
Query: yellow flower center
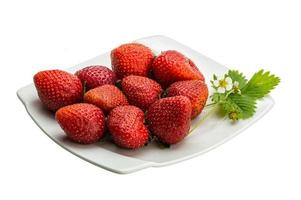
222	83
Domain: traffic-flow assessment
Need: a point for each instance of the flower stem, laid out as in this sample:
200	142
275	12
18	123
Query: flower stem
210	104
230	92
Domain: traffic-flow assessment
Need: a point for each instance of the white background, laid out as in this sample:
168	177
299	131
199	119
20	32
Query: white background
261	163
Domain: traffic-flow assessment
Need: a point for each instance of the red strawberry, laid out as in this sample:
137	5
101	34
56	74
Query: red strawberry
195	90
83	123
106	97
130	59
141	91
169	119
57	88
94	76
171	66
126	126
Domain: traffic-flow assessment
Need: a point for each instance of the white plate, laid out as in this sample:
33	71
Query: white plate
214	131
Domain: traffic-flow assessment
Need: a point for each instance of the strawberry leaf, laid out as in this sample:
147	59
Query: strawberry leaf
260	84
239	102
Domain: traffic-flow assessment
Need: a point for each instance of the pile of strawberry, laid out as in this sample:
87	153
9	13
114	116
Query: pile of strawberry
156	97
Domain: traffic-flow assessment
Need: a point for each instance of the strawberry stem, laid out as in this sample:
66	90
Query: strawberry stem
203	118
210	104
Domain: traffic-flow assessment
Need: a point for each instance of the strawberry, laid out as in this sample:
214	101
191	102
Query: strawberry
171	66
106	97
169	119
195	90
132	58
83	123
94	76
141	91
125	124
57	88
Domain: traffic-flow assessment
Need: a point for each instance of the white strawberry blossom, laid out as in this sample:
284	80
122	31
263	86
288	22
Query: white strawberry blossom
223	84
236	87
235	84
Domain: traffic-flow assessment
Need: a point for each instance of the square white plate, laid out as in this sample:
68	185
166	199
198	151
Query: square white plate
214	130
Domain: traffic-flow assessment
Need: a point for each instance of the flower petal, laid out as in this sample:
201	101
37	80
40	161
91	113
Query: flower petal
229	86
221	90
228	80
220	78
216	83
236	83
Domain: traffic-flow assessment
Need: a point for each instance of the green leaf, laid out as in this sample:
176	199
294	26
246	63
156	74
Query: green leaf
239	106
237	76
240	103
260	84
